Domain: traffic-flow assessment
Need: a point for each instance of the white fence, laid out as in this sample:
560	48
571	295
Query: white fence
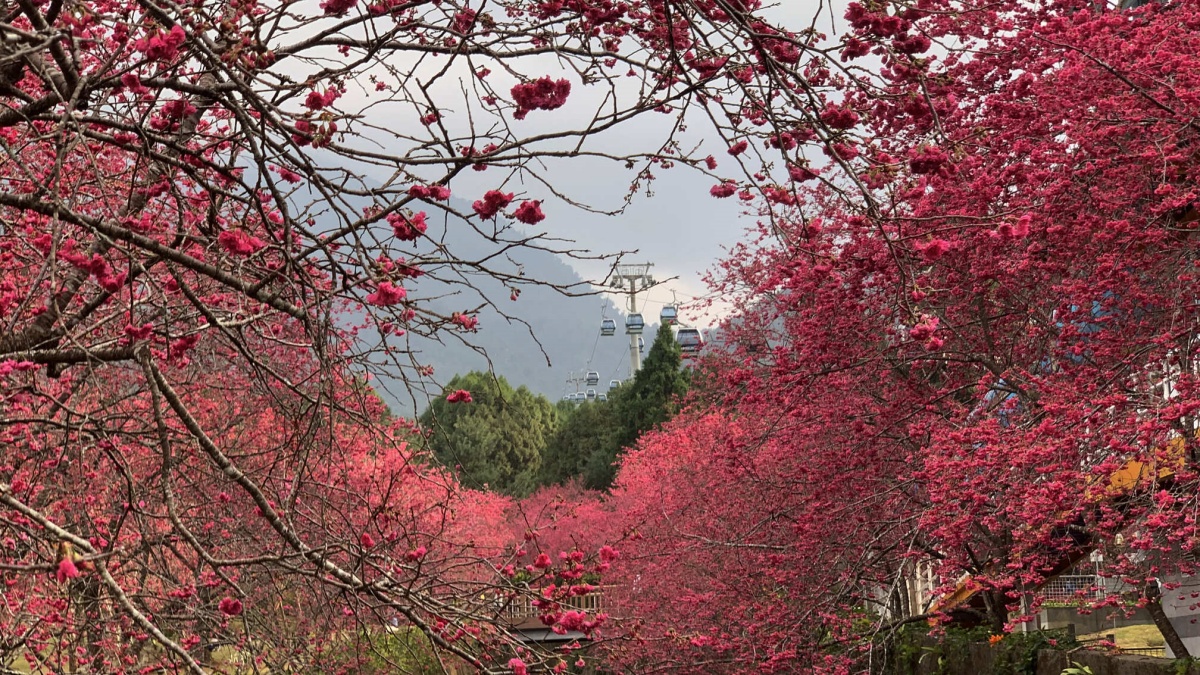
1073	588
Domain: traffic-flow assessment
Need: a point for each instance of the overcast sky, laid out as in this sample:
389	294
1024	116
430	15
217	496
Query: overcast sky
681	228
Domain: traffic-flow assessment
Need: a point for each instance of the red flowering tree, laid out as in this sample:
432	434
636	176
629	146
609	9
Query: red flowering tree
196	199
976	301
949	348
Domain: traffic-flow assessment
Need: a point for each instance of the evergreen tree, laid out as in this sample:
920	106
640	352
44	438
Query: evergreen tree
496	440
586	434
650	399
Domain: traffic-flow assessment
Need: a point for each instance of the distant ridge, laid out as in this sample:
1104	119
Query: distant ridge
568	328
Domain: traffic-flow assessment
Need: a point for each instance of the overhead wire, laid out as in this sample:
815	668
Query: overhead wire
592	355
603	316
617	368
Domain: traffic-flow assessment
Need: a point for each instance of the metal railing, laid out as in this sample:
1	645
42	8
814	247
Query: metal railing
522	607
1160	652
1109	642
1073	588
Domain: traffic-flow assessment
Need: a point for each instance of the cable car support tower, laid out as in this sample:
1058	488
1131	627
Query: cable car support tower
632	279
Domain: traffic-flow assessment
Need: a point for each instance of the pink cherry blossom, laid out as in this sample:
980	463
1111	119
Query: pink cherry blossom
529	212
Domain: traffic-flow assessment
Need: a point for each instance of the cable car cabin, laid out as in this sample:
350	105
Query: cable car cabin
591	394
602	397
613	384
689	340
608	327
593	378
634	324
641	345
669	315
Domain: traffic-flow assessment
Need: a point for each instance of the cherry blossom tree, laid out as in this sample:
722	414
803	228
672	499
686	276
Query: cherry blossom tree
214	235
950	347
968	306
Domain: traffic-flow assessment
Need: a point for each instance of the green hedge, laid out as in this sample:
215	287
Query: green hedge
917	650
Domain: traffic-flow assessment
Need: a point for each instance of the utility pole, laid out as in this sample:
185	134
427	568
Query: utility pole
631	279
575	379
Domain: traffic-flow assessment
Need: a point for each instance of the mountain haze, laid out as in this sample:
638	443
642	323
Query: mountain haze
565	322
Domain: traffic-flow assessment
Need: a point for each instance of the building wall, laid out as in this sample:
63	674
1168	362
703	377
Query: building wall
1182	607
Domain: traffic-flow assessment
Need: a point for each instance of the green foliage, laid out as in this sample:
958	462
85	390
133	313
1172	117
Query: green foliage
1014	653
583	444
650	399
1018	651
1185	665
591	435
1076	669
496	440
402	649
642	404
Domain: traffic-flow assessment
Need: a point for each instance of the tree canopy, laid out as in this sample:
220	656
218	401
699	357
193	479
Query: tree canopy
584	443
591	436
495	440
649	399
967	309
974	352
213	228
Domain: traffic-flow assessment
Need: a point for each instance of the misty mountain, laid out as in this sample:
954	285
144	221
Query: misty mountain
551	331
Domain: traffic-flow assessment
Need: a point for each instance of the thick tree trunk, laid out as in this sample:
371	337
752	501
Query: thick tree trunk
1154	607
997	610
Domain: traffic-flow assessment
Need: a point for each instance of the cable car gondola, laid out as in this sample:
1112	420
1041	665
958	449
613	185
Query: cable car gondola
689	340
601	397
634	324
641	345
613	384
591	394
593	378
669	315
608	327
